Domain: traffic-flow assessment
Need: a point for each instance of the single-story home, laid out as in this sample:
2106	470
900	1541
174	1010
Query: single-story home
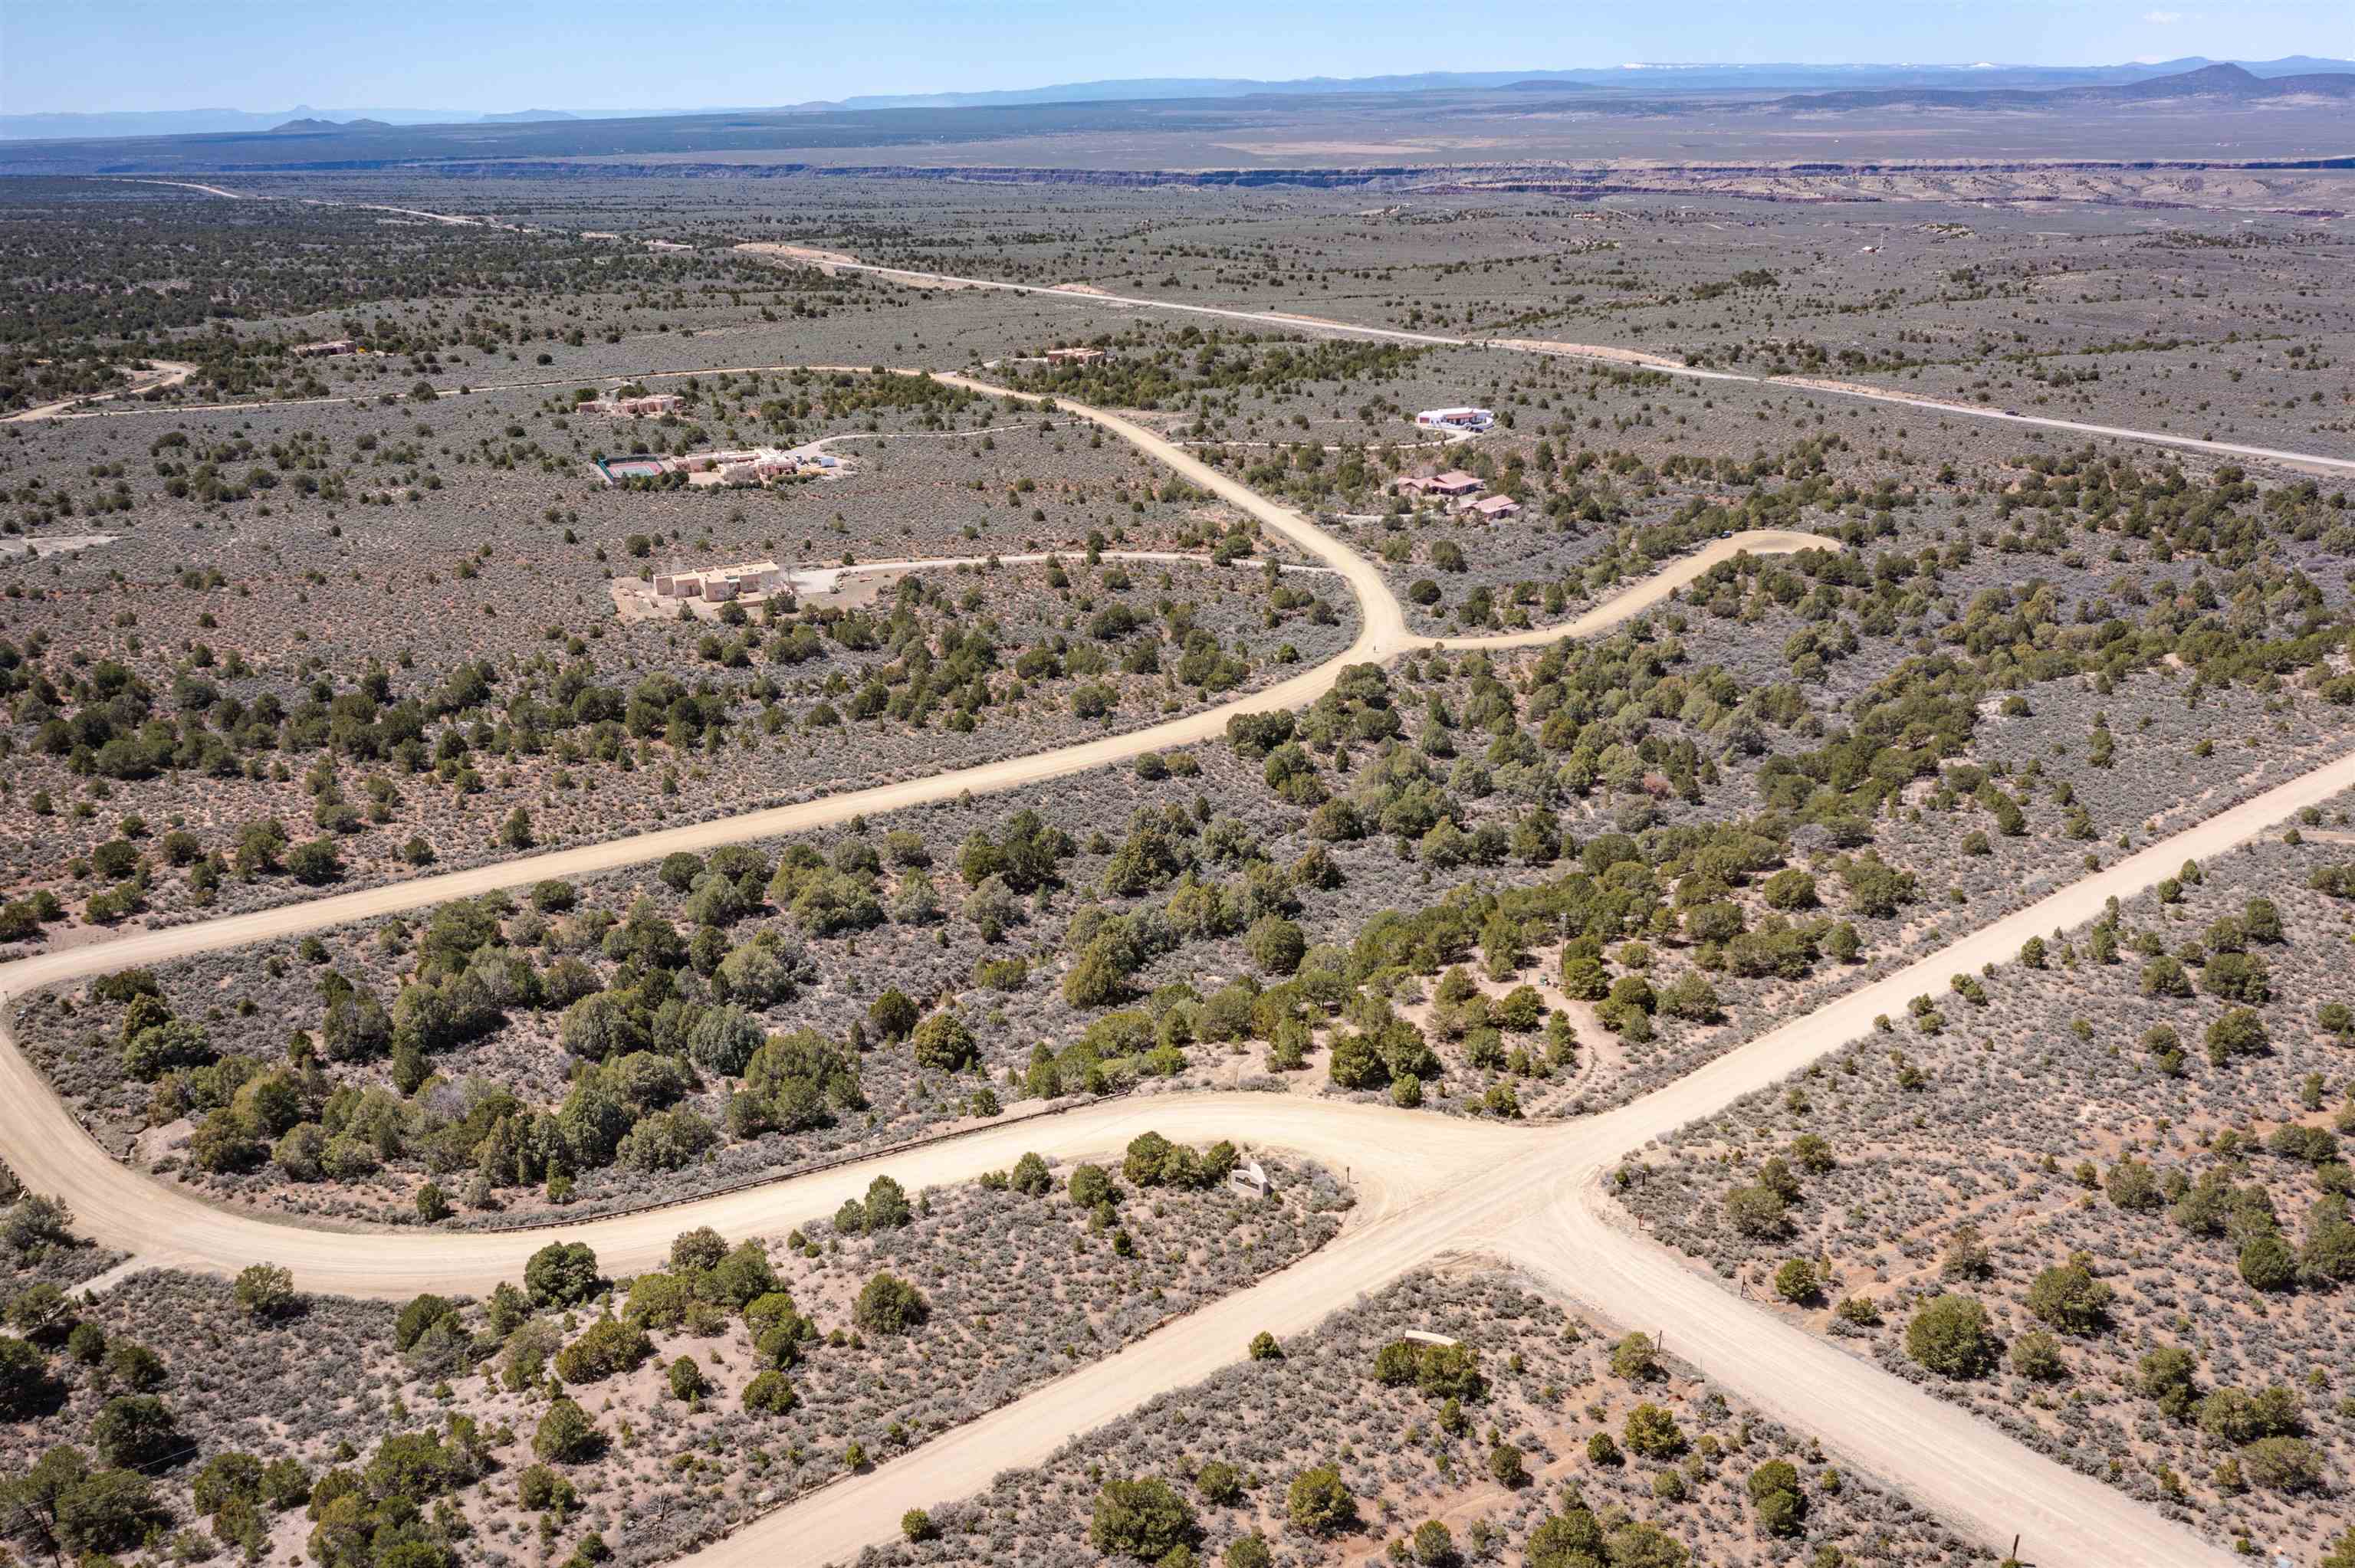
1454	483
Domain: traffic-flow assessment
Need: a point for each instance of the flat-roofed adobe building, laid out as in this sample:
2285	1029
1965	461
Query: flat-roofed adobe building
1456	418
1489	508
1449	486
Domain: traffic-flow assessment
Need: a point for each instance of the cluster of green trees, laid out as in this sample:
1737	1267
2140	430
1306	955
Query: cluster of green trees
2264	1432
1577	1538
1674	886
1437	1372
107	721
643	1047
832	398
1954	1336
63	1504
1197	368
107	1500
2243	1214
1151	1161
1760	1209
1150	1520
2258	621
706	1284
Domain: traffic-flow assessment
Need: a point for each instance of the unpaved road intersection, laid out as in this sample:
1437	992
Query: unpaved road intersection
1430	1186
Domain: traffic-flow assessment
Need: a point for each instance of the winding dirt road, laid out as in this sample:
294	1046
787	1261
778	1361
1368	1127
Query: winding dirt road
1431	1185
159	372
1631	358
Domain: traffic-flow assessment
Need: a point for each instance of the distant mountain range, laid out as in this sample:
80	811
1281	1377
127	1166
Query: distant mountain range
202	121
1860	86
2227	82
1636	78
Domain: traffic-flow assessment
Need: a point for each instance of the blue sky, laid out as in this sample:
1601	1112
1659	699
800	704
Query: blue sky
489	55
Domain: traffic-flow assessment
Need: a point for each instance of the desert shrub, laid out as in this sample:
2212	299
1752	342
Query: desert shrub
1141	1518
135	1432
770	1394
561	1274
944	1044
1758	1212
566	1435
24	1380
265	1290
1795	1281
2241	1032
1952	1335
1030	1176
2283	1465
888	1304
610	1345
2266	1263
1652	1432
2037	1355
1571	1539
665	1140
2070	1299
1645	1545
1319	1503
1219	1482
421	1313
1088	1185
1275	944
1396	1363
95	1511
2165	1376
1776	1495
1507	1467
34	1222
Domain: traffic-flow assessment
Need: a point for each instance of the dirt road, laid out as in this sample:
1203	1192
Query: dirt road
1538	1202
159	372
1433	1185
833	262
189	186
1632	358
122	1209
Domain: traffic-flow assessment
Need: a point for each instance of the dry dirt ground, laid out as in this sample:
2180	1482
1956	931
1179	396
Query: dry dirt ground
1022	1287
1430	1186
2031	1116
